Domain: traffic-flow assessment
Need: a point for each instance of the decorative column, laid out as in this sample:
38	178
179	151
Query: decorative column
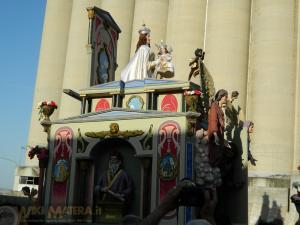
122	12
227	44
185	33
154	14
51	64
91	16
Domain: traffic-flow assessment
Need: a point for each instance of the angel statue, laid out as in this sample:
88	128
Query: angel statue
206	82
140	65
164	65
195	63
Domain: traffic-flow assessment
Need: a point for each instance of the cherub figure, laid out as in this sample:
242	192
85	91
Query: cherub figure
164	64
194	64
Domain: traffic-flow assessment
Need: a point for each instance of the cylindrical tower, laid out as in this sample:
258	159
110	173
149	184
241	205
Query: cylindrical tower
122	12
50	72
154	14
77	68
227	44
185	32
272	85
297	98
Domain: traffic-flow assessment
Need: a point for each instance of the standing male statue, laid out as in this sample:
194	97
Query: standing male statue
115	186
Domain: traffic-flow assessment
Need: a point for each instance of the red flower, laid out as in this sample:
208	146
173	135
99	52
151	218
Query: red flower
53	104
41	153
50	103
30	154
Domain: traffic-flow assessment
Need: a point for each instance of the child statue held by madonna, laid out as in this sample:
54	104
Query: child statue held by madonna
164	65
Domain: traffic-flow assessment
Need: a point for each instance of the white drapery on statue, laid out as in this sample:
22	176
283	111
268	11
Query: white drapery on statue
138	66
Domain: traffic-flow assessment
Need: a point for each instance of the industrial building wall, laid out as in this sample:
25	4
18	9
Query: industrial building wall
50	73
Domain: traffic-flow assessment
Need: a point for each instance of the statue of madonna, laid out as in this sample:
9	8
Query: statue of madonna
139	66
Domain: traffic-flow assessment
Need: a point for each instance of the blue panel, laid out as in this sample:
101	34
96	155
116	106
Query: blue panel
188	214
113	84
156	82
137	83
189	161
188	174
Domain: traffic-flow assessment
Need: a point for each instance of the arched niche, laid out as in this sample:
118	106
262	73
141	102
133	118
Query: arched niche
89	170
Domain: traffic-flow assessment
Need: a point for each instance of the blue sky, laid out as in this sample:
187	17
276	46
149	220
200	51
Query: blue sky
21	25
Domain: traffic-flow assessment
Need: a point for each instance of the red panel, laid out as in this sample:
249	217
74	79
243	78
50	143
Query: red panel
168	151
102	105
169	103
62	167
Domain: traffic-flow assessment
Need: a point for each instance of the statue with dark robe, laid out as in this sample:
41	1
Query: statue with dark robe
115	185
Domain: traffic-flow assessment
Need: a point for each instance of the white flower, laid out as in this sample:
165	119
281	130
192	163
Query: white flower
40	104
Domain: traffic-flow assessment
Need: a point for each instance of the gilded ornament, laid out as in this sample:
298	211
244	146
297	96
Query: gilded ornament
91	12
114	131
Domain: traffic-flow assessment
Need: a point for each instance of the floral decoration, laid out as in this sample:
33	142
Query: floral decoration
193	92
42	104
49	103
